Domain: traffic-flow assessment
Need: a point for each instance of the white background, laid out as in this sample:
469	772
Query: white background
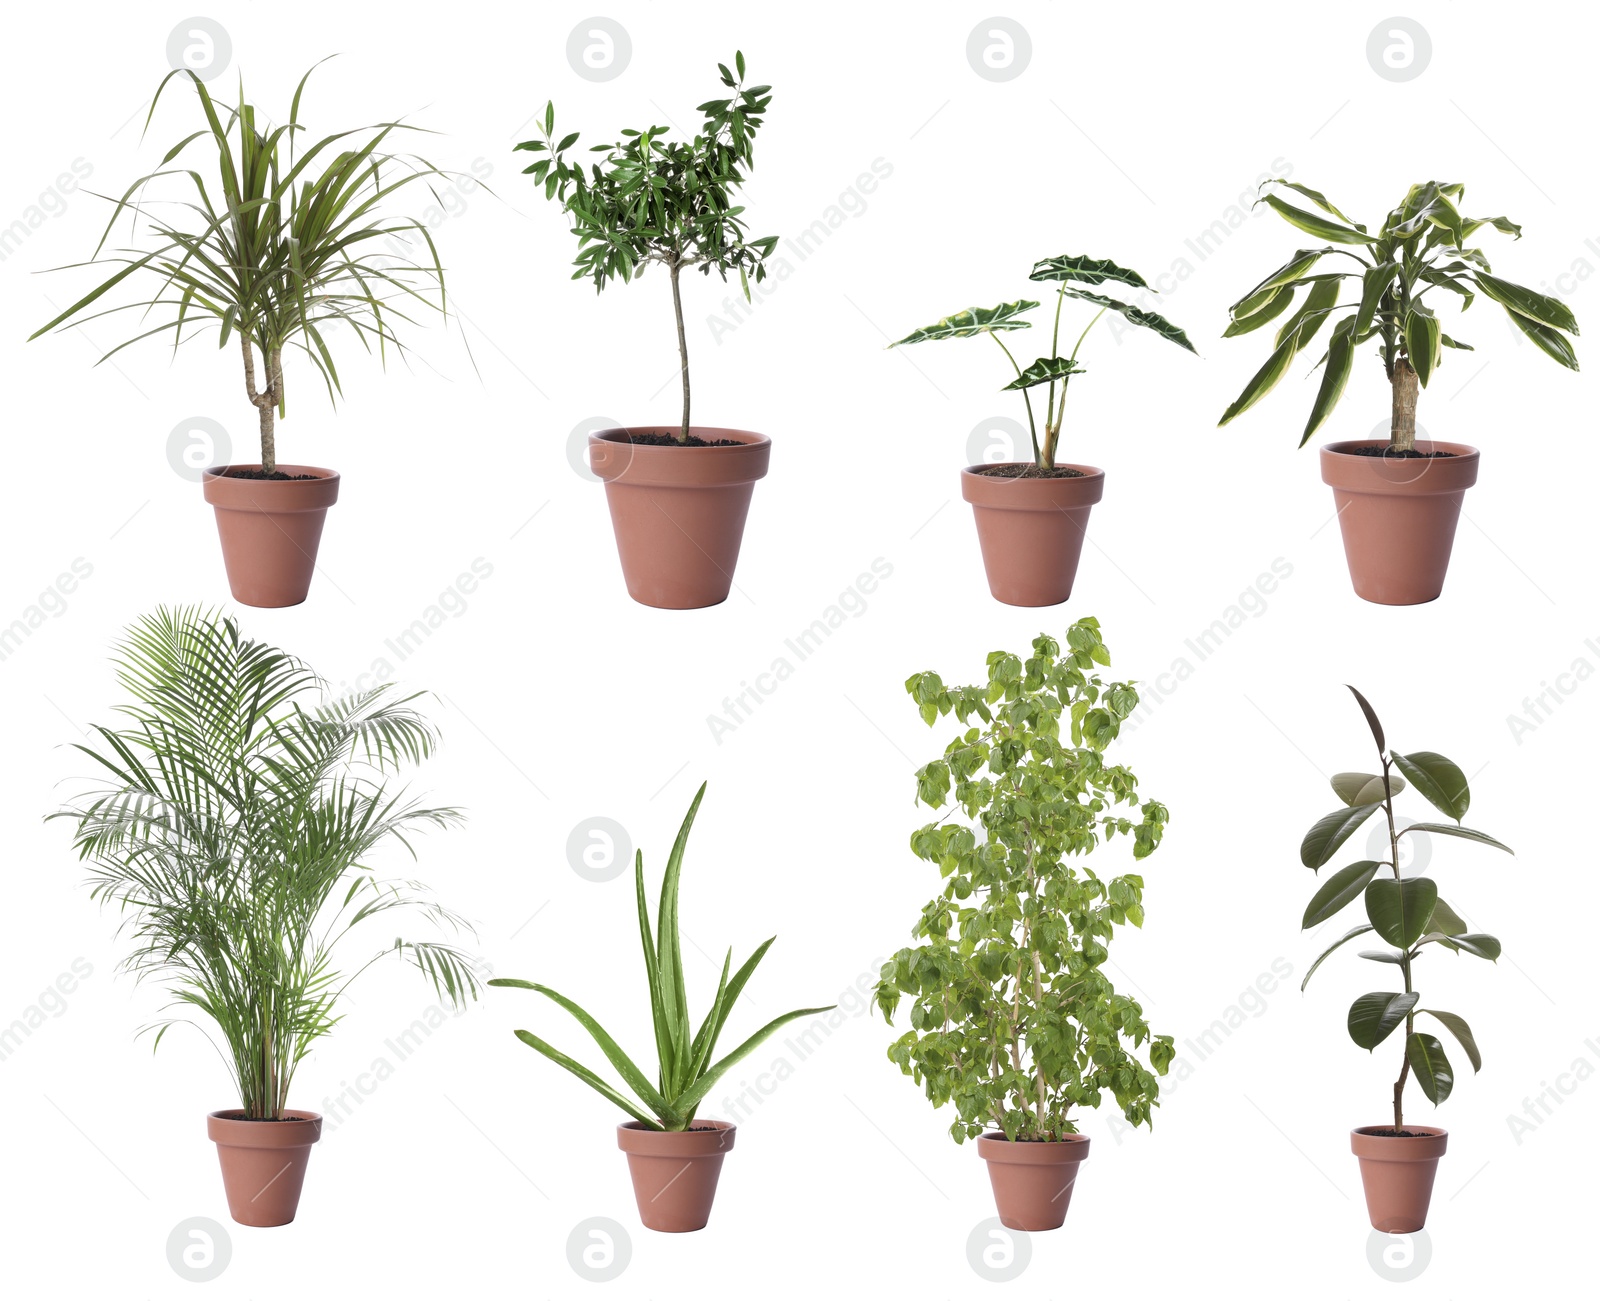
560	699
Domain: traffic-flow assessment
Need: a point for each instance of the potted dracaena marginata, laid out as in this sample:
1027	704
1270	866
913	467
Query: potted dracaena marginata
678	494
1032	516
277	245
1398	498
232	825
674	1156
1398	1160
1013	1017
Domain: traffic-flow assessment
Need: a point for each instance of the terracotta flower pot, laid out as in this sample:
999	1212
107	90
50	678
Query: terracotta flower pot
675	1175
1032	1181
270	529
678	512
1397	1174
1031	531
1398	516
263	1163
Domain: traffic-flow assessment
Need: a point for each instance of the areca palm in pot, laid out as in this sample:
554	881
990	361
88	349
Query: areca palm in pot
1398	1161
1398	499
674	1155
1014	1019
279	248
1032	517
233	824
678	495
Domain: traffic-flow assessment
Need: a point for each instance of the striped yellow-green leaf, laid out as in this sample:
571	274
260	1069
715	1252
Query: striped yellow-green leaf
973	320
1263	381
1373	282
1337	368
1321	227
1430	1066
1373	1017
1292	270
1086	270
1316	197
1525	302
1305	323
1550	342
1399	910
1274	307
1422	336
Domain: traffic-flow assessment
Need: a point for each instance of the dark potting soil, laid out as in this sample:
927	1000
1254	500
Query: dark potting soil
1390	454
275	476
671	440
1029	472
1392	1132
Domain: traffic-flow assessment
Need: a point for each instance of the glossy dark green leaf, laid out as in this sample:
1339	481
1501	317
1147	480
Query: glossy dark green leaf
1430	1066
1047	370
974	320
1399	910
1422	334
1364	787
1437	780
1444	918
1085	270
1153	321
1461	833
1373	1017
1371	716
1462	1032
1392	956
1323	840
1323	956
1477	944
1338	890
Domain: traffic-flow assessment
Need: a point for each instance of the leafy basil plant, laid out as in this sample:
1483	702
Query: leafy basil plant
1071	273
1420	249
273	245
1405	912
653	200
686	1072
1013	1017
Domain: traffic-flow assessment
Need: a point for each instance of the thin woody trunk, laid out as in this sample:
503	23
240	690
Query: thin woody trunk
1399	1090
1403	420
266	401
683	350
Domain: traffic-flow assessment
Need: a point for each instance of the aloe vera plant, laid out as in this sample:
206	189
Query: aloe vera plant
273	247
686	1072
1421	247
1070	274
1404	911
654	200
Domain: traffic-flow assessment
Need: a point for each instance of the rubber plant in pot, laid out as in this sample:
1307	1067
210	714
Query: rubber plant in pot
1014	1019
1398	1160
232	826
678	494
1398	499
277	247
1032	516
674	1156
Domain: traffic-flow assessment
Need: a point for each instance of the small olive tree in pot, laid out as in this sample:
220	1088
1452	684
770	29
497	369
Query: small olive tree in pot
280	245
1014	1020
1398	1161
1398	498
1032	516
678	494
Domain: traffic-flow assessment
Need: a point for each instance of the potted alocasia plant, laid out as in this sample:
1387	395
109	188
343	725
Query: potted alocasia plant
1399	498
674	1155
1398	1160
278	245
1014	1019
232	826
1032	515
678	494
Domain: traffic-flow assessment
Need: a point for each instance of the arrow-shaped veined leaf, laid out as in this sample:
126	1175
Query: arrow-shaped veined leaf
1138	316
974	320
1085	269
1047	370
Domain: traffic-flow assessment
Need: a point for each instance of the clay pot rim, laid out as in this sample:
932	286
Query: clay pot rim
995	1146
230	1125
747	438
1460	451
1427	1143
1084	472
634	1139
1418	1133
322	473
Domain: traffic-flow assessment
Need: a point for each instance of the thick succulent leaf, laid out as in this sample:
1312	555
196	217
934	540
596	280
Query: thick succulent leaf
1086	270
1525	302
1461	1030
1138	316
1552	343
1430	1066
1339	365
1323	228
1437	780
1323	956
1046	370
1341	888
1323	840
1422	335
974	320
588	1077
1399	910
1274	307
1463	833
1373	1017
1292	270
1364	787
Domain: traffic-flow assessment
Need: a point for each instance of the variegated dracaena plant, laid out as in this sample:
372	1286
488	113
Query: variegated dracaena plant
1421	247
1071	273
1405	911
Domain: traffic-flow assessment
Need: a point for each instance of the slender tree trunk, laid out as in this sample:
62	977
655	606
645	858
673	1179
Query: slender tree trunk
1403	421
1399	1091
683	349
266	401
